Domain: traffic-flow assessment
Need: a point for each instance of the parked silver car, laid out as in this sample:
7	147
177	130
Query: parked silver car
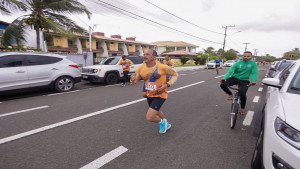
20	70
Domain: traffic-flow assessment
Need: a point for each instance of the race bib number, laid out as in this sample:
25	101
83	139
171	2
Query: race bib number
150	86
123	66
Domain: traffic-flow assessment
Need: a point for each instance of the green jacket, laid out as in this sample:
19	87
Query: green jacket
242	70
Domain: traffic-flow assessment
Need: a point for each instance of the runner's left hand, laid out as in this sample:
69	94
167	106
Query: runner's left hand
162	88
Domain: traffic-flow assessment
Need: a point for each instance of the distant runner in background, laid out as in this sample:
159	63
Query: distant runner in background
169	63
218	64
126	63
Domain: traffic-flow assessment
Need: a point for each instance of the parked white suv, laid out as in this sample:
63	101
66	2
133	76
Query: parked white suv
109	71
212	64
278	144
20	70
229	63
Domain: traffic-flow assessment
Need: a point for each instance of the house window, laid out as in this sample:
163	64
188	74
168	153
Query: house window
71	44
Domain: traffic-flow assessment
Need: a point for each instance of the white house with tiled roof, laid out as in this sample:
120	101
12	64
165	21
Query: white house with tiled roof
162	46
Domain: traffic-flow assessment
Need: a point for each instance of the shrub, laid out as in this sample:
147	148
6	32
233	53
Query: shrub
203	60
184	59
197	60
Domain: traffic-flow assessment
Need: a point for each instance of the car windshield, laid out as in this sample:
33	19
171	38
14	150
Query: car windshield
295	85
283	65
110	61
229	61
212	61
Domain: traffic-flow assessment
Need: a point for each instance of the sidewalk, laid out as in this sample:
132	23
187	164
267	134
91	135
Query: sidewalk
189	68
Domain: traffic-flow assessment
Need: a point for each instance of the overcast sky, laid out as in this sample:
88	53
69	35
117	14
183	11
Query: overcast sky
270	26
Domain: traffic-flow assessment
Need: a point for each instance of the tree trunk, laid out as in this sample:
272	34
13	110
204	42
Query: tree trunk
37	30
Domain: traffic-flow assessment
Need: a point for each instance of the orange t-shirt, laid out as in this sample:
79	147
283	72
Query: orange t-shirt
168	63
125	64
145	73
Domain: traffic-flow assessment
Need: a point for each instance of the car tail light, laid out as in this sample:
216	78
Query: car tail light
75	66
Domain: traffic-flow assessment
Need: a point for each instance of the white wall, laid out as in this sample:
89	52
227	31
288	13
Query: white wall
31	39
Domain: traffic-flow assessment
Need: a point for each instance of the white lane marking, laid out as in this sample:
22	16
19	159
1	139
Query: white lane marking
248	119
22	111
63	93
113	85
105	158
45	128
260	89
219	76
256	98
182	74
185	86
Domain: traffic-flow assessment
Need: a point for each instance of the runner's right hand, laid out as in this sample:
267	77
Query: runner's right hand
132	77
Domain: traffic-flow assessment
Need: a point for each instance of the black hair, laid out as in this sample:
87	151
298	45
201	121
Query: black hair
248	52
154	53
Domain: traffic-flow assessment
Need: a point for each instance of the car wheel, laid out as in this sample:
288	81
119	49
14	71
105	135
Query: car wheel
111	79
257	158
64	84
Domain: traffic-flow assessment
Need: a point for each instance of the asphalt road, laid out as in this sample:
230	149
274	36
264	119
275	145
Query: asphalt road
106	125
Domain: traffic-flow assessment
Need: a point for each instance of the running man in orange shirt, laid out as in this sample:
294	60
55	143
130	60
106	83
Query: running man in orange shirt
126	63
167	61
154	76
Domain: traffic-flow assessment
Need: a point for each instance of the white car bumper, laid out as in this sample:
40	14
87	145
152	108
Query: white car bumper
276	151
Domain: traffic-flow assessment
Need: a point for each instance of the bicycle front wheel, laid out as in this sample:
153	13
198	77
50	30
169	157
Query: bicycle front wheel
234	112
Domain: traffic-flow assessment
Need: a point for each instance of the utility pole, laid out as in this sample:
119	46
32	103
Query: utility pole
246	46
90	37
225	40
255	53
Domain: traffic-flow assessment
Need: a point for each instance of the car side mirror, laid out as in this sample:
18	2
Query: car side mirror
272	68
273	82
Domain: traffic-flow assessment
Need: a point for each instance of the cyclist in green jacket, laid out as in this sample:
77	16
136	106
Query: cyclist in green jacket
239	74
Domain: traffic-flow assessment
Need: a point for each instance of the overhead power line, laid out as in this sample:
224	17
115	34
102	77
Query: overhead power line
184	19
107	5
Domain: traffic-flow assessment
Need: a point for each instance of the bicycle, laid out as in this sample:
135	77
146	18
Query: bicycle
235	104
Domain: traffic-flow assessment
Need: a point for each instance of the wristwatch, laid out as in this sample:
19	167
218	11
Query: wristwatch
168	85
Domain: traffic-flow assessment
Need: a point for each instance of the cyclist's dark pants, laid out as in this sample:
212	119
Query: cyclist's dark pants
125	76
242	85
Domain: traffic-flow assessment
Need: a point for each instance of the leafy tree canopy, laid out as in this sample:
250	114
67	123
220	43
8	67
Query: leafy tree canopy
46	15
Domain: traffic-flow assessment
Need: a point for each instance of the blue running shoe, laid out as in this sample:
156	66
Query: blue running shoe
163	126
168	126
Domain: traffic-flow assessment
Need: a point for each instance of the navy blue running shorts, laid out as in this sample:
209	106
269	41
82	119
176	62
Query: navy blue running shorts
155	102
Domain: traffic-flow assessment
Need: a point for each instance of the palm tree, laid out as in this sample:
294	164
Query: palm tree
5	5
46	15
